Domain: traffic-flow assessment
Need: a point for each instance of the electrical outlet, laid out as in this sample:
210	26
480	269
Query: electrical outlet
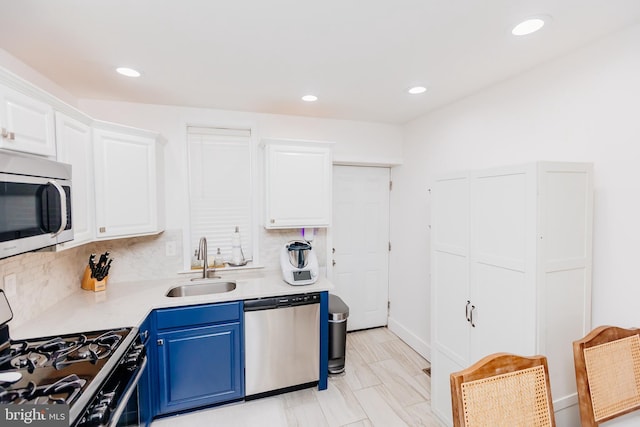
170	248
10	284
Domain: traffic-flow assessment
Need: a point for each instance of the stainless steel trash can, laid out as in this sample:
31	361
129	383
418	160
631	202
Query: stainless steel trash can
338	314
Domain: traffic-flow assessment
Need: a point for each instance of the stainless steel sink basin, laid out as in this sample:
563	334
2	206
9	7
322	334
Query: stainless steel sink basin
201	287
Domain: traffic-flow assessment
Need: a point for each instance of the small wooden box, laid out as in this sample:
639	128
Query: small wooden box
92	284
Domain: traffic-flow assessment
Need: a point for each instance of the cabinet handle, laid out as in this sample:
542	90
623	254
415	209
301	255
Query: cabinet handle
473	325
160	342
103	229
466	311
8	135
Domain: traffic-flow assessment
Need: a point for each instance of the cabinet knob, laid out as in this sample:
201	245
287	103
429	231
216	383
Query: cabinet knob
160	342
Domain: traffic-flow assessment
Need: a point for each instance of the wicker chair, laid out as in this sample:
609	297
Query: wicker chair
503	390
607	363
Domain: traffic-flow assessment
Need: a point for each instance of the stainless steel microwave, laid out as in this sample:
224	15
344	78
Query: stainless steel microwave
35	203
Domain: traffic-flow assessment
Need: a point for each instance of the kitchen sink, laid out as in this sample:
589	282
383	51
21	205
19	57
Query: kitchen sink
201	287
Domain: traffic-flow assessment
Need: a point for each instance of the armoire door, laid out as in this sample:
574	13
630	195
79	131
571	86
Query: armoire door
450	267
503	225
450	299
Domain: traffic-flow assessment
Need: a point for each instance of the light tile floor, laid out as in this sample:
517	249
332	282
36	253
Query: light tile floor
383	385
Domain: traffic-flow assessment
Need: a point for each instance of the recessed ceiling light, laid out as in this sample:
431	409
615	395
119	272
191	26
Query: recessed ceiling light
129	72
528	26
309	98
417	90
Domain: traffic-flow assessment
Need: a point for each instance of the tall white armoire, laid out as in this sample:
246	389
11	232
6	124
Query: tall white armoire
511	272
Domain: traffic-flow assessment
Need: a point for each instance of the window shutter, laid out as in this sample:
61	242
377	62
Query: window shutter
220	188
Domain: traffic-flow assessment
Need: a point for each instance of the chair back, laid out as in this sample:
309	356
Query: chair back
607	364
503	390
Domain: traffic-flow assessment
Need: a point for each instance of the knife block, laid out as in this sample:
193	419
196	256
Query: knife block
91	283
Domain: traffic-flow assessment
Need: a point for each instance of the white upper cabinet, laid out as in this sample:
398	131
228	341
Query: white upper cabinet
298	183
75	147
128	171
27	124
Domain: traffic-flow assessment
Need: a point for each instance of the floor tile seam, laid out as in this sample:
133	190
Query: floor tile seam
390	406
404	383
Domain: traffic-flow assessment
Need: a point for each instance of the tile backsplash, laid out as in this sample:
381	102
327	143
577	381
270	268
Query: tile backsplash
44	278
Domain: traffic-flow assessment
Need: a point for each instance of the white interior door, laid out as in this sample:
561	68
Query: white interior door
361	243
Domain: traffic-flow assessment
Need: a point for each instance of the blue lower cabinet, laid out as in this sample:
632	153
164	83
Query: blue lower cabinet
199	365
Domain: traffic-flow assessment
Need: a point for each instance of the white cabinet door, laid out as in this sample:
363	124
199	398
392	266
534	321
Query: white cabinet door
128	194
503	249
26	124
298	184
450	267
450	300
75	147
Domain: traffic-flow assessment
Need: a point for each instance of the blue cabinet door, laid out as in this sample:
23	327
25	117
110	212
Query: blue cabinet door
199	366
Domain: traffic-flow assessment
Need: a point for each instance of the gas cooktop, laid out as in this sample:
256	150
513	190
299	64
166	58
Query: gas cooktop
66	369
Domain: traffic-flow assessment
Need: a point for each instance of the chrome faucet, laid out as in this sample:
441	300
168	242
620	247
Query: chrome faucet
202	255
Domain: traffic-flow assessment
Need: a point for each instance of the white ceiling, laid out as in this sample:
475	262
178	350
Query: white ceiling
357	56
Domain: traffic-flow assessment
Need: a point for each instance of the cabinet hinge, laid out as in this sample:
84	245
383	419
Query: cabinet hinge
390	185
389	246
388	305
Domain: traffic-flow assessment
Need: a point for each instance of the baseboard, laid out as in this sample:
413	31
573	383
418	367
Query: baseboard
415	342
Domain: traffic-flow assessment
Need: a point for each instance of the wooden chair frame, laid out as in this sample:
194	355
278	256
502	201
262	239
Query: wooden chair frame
497	364
598	336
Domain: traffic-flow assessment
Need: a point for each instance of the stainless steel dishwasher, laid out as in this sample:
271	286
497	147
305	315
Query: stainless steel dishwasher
282	343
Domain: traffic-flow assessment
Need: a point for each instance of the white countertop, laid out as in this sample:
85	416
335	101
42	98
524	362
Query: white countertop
128	303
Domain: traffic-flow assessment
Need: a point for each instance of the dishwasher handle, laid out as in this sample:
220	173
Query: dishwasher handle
281	302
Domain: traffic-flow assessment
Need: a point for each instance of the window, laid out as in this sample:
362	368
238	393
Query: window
220	186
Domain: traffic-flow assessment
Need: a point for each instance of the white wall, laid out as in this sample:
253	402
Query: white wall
581	107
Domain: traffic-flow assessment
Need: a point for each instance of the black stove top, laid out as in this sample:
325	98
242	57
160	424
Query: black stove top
60	369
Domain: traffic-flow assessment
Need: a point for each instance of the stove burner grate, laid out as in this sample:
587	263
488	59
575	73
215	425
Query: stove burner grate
30	360
64	390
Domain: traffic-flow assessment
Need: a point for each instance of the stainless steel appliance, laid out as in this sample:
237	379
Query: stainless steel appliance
282	344
95	373
299	263
35	203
